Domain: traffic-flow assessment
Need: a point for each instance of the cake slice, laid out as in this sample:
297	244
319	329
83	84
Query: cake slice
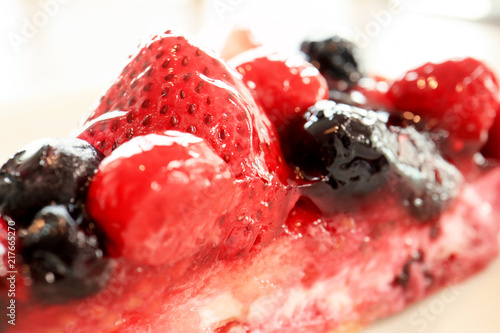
199	198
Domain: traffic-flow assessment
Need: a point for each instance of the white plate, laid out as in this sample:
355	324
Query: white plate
469	307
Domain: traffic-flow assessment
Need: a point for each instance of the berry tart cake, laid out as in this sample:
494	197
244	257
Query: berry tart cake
276	193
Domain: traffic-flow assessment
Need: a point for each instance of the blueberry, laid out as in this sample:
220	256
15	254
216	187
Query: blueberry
355	152
336	58
64	259
47	171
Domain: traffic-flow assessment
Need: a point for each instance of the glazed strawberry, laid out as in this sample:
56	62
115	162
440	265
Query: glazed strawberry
160	198
179	199
459	96
285	85
492	147
172	84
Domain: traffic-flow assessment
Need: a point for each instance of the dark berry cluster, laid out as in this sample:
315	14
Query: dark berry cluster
336	58
341	145
43	189
356	152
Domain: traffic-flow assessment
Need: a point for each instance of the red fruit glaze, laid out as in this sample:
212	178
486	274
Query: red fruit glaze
459	96
159	198
285	85
171	84
323	274
492	147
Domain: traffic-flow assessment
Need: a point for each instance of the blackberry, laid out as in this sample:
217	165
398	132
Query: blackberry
64	259
336	58
47	171
341	147
356	152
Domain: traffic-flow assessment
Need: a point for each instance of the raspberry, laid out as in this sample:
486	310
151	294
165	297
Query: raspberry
458	96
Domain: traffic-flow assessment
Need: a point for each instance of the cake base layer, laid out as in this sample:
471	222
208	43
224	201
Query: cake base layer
320	276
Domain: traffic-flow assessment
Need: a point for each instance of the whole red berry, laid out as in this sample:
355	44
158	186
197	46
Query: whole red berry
285	85
158	198
459	96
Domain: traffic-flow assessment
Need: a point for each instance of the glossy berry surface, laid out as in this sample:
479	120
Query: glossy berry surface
64	260
354	151
167	198
336	59
48	170
458	96
293	87
158	198
173	84
342	145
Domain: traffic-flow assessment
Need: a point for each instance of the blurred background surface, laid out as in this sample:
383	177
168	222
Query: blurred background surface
58	56
50	47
